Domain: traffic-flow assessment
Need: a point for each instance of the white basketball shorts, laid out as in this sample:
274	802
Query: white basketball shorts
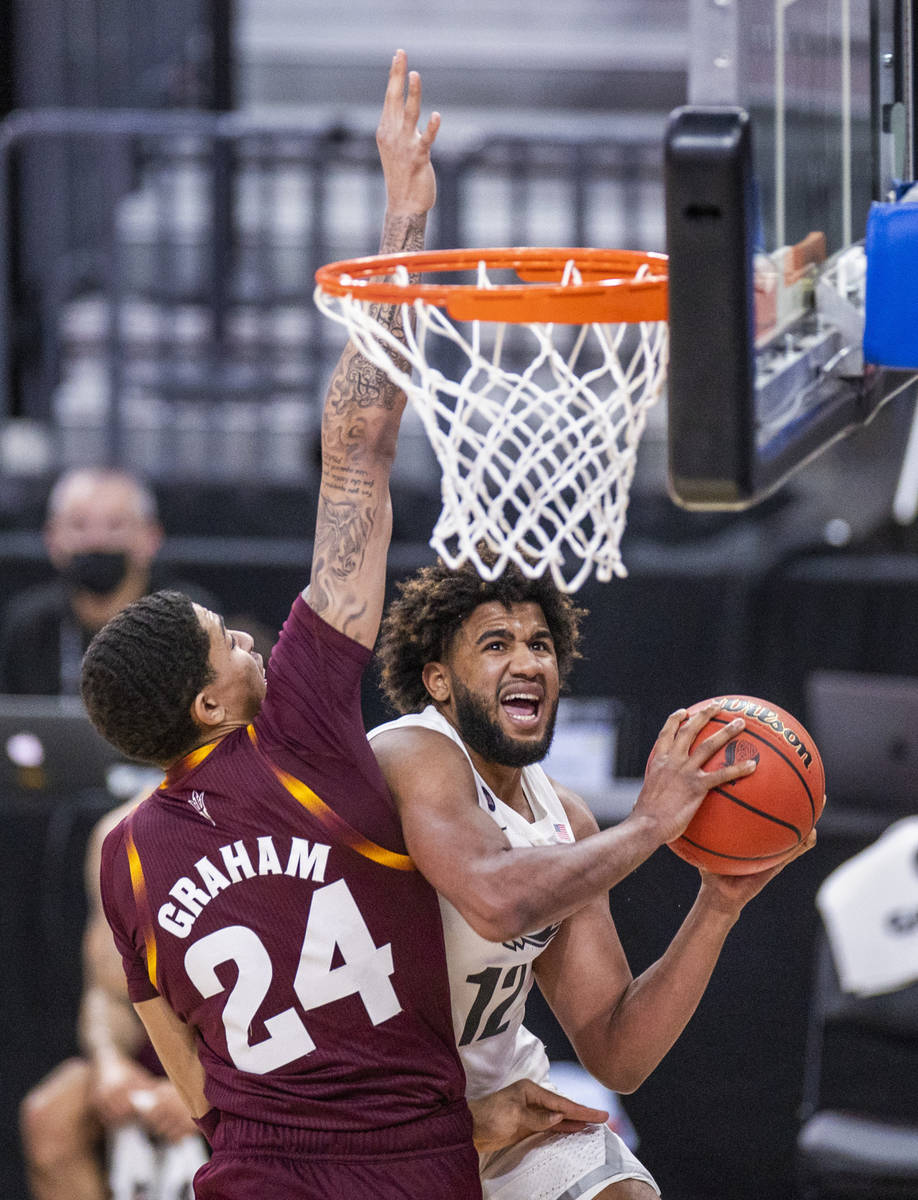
560	1166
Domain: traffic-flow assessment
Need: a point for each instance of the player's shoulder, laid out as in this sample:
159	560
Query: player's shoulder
413	738
419	742
111	827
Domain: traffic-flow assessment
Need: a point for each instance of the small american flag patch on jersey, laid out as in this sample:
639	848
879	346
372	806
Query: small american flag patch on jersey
564	834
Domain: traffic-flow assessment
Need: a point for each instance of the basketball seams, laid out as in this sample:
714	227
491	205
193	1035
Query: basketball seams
762	858
760	737
758	812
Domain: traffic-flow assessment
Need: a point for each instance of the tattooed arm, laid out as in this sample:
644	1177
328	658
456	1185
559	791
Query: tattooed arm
363	407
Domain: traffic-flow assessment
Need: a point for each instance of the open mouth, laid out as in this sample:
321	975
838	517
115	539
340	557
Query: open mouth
523	708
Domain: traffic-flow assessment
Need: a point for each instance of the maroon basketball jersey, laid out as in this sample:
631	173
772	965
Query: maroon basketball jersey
264	891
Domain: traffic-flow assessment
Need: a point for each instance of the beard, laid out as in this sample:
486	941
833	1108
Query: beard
481	733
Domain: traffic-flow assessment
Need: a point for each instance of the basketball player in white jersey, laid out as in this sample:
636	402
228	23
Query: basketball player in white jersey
523	870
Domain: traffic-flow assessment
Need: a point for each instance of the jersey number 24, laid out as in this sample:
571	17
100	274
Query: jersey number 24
334	920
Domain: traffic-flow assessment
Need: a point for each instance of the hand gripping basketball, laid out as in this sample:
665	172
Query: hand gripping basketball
750	823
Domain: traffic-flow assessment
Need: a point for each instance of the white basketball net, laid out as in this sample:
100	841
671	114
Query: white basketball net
537	463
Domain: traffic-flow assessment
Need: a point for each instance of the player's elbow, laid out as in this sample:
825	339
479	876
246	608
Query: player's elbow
369	437
382	440
624	1082
494	914
495	896
619	1074
378	426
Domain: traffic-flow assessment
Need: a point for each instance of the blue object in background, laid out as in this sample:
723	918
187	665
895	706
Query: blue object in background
891	324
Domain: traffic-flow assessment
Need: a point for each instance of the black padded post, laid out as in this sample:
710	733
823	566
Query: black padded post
710	226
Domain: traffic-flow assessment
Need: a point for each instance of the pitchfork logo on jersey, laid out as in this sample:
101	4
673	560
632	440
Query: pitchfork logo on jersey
540	940
197	803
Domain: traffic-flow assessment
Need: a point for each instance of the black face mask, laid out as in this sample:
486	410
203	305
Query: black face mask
99	572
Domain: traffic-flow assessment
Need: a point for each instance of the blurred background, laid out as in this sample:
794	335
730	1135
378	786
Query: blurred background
171	175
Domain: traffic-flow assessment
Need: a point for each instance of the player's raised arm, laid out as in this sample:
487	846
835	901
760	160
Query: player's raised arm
363	408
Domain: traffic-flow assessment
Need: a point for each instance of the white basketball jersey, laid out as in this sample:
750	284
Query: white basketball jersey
489	981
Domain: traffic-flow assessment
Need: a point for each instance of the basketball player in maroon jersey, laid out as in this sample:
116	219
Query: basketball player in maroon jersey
283	953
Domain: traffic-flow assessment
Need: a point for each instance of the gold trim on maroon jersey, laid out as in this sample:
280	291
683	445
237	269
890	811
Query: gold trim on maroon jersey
193	759
336	825
139	885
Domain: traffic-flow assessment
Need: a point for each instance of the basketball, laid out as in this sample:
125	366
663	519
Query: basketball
750	823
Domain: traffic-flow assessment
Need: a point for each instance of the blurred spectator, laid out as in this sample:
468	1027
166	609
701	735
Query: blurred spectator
102	536
117	1087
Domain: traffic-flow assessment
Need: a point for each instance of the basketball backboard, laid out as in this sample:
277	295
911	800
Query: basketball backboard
800	114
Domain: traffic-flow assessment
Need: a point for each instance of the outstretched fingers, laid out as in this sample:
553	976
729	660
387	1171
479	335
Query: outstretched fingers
393	101
412	111
429	134
402	102
405	150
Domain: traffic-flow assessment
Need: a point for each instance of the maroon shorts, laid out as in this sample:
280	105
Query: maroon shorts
255	1161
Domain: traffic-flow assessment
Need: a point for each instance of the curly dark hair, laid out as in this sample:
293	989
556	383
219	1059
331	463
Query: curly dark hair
425	616
141	674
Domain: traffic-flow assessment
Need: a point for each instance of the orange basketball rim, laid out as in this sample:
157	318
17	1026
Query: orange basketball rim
574	286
